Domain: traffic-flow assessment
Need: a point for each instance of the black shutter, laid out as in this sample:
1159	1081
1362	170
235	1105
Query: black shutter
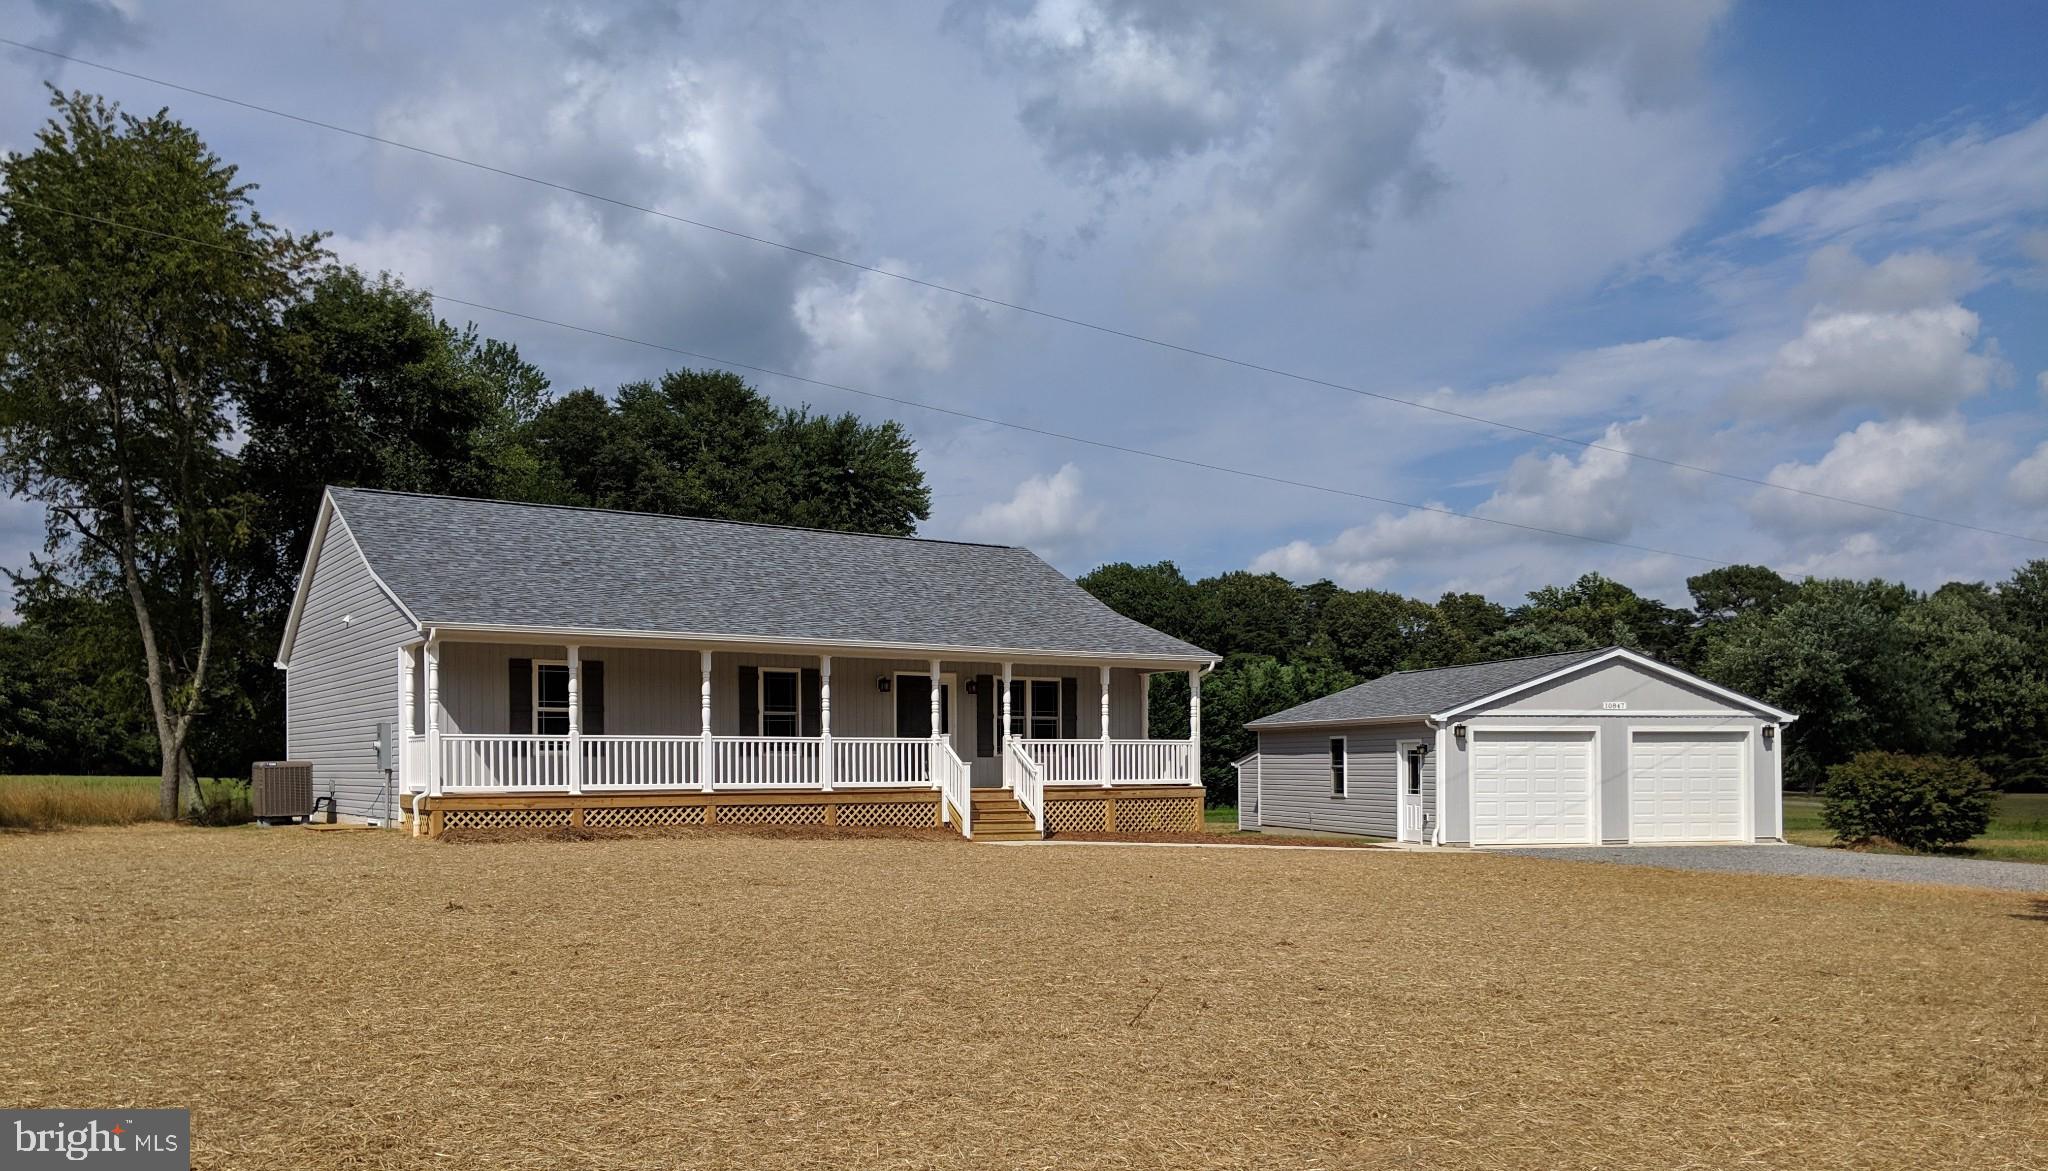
593	697
813	687
519	688
750	701
1070	708
984	715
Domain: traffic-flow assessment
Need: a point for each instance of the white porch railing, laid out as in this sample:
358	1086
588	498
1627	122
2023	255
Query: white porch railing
1065	762
764	762
1153	762
413	765
880	760
1026	781
642	762
955	782
504	762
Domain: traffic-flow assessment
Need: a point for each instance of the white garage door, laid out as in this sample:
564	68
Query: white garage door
1686	787
1532	788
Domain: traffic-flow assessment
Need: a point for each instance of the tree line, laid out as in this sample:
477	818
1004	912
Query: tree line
180	380
1868	665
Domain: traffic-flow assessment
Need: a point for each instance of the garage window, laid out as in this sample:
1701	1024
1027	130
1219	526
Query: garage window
1337	757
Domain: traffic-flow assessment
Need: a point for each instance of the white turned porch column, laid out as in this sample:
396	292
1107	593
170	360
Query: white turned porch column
1105	728
1003	740
1195	724
936	734
575	718
407	656
704	753
825	722
434	717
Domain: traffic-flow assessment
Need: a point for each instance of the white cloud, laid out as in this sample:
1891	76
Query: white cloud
1922	361
2027	483
1902	281
1880	462
1968	181
1049	515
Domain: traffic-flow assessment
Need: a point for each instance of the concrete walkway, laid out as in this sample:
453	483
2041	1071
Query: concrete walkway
1809	861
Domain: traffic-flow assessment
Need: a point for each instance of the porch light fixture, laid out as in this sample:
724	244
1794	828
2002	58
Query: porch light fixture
1770	731
971	687
1458	730
882	684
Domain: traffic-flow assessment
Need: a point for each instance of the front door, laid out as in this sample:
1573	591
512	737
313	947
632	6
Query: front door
1414	814
914	708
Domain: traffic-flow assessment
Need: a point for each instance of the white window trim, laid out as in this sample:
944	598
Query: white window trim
1340	787
1059	714
1402	749
761	698
533	697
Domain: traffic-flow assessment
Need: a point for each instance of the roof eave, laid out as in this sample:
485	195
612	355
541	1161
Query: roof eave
1198	657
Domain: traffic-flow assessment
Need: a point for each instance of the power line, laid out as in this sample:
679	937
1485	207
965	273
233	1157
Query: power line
1045	432
1045	314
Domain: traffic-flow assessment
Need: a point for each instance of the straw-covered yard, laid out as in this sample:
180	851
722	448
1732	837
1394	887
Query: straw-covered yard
361	1000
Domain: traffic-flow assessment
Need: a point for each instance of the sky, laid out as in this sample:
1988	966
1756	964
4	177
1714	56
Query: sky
1761	239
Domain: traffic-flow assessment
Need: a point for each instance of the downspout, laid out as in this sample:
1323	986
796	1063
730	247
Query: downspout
1436	831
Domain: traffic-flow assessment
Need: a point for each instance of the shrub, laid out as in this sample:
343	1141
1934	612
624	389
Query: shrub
1920	802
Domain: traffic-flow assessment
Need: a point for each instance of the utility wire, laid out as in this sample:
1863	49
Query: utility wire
1045	314
955	412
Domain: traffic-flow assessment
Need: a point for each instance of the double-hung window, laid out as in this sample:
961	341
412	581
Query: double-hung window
1337	763
781	710
551	699
1035	709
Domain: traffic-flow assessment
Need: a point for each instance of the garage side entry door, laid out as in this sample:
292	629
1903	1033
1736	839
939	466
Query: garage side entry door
1686	787
1532	788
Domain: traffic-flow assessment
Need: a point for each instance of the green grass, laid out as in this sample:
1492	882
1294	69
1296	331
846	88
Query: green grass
2018	830
53	802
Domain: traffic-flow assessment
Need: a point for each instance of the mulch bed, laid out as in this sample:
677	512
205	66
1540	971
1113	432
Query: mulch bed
370	1001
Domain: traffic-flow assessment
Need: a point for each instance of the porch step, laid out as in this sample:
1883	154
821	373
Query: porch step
999	818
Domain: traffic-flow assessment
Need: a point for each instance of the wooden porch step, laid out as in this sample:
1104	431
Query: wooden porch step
999	818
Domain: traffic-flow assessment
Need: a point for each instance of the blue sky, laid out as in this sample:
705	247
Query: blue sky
1769	239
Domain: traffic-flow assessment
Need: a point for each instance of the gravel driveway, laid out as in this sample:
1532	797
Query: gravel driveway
1810	861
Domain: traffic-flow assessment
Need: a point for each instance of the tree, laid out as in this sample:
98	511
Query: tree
1727	593
1250	613
1455	630
1158	595
1596	611
1242	690
1993	703
126	349
1836	654
1370	632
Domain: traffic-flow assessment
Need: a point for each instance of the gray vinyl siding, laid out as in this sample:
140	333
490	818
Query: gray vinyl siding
1248	793
1295	766
343	677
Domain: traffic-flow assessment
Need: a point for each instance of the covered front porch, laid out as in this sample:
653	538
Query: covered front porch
575	732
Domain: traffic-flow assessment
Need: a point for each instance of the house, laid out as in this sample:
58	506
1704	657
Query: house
456	662
1580	748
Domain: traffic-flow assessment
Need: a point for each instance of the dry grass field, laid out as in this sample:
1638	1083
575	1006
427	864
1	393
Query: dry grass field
360	1000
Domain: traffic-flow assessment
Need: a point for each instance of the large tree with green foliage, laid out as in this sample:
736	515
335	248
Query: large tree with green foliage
137	286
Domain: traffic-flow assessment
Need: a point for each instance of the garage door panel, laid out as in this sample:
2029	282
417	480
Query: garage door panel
1531	788
1686	787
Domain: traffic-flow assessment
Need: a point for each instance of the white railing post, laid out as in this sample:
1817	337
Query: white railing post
1105	728
704	726
825	722
1195	726
575	718
434	717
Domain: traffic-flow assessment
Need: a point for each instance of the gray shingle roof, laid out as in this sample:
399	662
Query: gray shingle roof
494	563
1422	693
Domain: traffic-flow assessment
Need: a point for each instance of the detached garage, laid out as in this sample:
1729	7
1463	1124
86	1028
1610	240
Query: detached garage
1581	748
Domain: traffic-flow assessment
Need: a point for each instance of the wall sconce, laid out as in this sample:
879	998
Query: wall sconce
1458	731
1770	732
882	684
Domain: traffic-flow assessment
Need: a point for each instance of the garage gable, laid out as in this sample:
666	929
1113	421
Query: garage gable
1617	685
